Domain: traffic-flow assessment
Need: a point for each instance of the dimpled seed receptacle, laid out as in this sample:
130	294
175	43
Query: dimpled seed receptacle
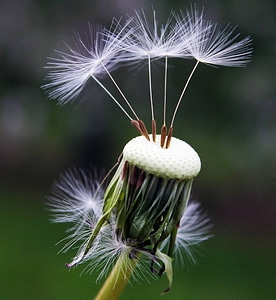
179	161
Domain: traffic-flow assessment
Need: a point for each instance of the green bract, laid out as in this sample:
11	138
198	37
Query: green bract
148	194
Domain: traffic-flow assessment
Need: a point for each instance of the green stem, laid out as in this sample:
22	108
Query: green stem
118	278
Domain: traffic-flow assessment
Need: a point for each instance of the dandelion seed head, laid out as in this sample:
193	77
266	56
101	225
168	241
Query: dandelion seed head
179	161
143	209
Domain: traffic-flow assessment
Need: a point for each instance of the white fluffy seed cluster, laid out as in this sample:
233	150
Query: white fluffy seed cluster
179	161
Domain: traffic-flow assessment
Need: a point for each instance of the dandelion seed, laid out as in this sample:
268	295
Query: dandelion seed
72	70
76	194
213	46
151	40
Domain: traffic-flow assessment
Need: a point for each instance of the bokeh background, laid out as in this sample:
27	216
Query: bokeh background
228	116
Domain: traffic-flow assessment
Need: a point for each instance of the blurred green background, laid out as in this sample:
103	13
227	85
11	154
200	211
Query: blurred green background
228	116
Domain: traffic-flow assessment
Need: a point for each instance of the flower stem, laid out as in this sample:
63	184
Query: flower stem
118	278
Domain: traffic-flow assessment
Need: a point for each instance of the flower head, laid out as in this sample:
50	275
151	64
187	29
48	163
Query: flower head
143	215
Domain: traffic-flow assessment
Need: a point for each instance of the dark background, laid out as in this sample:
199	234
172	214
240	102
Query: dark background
228	116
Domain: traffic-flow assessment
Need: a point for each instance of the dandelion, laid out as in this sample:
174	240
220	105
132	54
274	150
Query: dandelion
136	221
